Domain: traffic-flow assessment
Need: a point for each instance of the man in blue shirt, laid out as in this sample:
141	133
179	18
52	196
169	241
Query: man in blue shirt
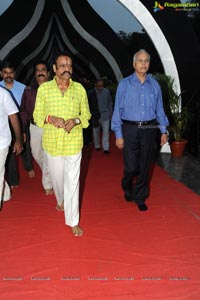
138	112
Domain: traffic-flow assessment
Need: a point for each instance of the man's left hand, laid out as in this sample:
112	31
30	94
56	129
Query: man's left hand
164	139
69	124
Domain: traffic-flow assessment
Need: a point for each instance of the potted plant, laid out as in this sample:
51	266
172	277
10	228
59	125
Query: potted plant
177	114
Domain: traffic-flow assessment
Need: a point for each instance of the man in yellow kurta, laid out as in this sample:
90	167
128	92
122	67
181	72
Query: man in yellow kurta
62	110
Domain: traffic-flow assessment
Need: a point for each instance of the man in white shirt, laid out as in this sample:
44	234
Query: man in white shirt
8	111
16	88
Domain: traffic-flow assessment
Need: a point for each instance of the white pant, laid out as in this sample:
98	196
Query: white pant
5	193
39	154
105	135
65	174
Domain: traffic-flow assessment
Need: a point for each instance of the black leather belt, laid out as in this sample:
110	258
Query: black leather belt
139	123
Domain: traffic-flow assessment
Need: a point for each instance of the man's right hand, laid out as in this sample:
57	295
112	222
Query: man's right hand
17	147
120	143
57	122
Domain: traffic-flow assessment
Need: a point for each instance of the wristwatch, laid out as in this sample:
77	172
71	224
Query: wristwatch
77	121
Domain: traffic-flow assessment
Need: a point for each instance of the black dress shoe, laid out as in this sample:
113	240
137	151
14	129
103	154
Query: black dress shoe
142	207
128	197
98	149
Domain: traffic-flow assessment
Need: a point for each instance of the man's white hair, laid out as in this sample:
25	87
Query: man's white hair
140	51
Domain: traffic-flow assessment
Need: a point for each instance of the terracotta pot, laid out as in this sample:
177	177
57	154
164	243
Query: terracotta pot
177	148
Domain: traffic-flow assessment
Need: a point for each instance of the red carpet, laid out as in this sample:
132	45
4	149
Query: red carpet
124	253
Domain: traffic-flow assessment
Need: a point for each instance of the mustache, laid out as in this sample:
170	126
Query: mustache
40	75
68	72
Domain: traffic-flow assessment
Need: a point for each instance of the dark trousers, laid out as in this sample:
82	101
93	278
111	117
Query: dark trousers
26	155
139	145
11	168
87	135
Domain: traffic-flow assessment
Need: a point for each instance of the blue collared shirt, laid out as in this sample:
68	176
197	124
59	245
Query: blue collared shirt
136	101
16	90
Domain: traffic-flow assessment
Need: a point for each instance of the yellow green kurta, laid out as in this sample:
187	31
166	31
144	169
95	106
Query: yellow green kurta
73	104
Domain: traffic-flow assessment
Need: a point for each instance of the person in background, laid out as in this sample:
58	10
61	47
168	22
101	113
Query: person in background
16	89
62	109
41	70
101	107
8	111
138	112
87	132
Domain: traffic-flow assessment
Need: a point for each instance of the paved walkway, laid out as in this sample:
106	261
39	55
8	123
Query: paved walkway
185	169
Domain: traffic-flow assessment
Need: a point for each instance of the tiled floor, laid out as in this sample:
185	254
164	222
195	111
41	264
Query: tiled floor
185	169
